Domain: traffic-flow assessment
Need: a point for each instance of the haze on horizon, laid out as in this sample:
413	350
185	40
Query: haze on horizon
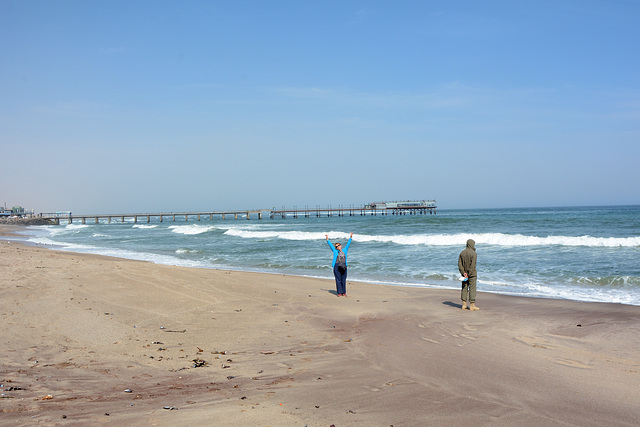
163	106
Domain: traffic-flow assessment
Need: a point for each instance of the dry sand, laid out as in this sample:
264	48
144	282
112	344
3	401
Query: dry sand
78	330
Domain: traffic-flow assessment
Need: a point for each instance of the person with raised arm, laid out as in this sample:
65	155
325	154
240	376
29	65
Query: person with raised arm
339	264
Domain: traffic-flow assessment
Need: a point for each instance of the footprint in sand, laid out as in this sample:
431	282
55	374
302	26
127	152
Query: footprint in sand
573	364
533	342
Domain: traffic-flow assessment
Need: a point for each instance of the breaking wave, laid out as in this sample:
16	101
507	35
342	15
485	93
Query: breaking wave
191	229
497	239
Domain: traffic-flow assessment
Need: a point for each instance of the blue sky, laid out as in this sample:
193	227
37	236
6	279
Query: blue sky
134	106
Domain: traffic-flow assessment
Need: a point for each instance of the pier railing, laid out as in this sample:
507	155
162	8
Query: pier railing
70	218
283	213
329	211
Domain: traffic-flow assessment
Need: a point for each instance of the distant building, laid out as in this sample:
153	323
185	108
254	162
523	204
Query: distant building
16	211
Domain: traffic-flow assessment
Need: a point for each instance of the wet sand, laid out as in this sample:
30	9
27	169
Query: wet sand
91	340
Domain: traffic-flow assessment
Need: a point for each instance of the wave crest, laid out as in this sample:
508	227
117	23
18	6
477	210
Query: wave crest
190	229
497	239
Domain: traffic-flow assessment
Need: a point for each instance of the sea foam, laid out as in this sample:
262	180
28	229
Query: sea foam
191	229
498	239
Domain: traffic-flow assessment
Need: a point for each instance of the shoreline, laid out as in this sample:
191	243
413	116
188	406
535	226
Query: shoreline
9	229
283	350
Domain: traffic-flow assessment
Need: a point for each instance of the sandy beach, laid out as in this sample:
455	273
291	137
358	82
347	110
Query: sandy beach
90	340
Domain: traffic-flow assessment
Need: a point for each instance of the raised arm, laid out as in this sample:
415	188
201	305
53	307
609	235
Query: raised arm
326	236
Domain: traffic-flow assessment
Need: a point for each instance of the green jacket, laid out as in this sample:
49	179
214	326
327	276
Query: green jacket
467	259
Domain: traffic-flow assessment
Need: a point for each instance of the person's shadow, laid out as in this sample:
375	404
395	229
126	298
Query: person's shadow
332	292
452	304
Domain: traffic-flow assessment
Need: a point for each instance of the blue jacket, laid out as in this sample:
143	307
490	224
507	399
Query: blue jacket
335	252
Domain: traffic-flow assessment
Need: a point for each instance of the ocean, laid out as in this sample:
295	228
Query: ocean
576	253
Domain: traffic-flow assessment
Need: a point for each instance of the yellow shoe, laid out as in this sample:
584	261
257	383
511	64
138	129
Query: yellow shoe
473	307
464	305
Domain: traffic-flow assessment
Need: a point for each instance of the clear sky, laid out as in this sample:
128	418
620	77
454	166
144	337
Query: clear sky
134	106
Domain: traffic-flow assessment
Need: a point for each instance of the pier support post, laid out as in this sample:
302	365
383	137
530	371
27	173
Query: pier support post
210	217
223	217
160	218
247	215
84	220
259	215
235	215
148	219
174	218
96	220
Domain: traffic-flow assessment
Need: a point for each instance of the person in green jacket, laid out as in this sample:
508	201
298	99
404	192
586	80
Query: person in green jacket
467	267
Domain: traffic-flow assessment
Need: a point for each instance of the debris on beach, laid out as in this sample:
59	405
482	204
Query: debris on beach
128	390
197	363
170	408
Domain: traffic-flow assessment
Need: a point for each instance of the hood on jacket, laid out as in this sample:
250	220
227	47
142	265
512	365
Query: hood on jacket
471	244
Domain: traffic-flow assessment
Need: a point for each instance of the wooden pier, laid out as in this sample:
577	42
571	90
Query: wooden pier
121	218
392	208
409	207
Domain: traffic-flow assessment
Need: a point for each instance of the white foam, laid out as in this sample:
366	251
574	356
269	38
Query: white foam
497	239
75	226
286	235
187	251
558	292
191	229
521	240
142	226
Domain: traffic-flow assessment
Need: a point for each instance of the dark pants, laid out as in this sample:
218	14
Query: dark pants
469	289
341	280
